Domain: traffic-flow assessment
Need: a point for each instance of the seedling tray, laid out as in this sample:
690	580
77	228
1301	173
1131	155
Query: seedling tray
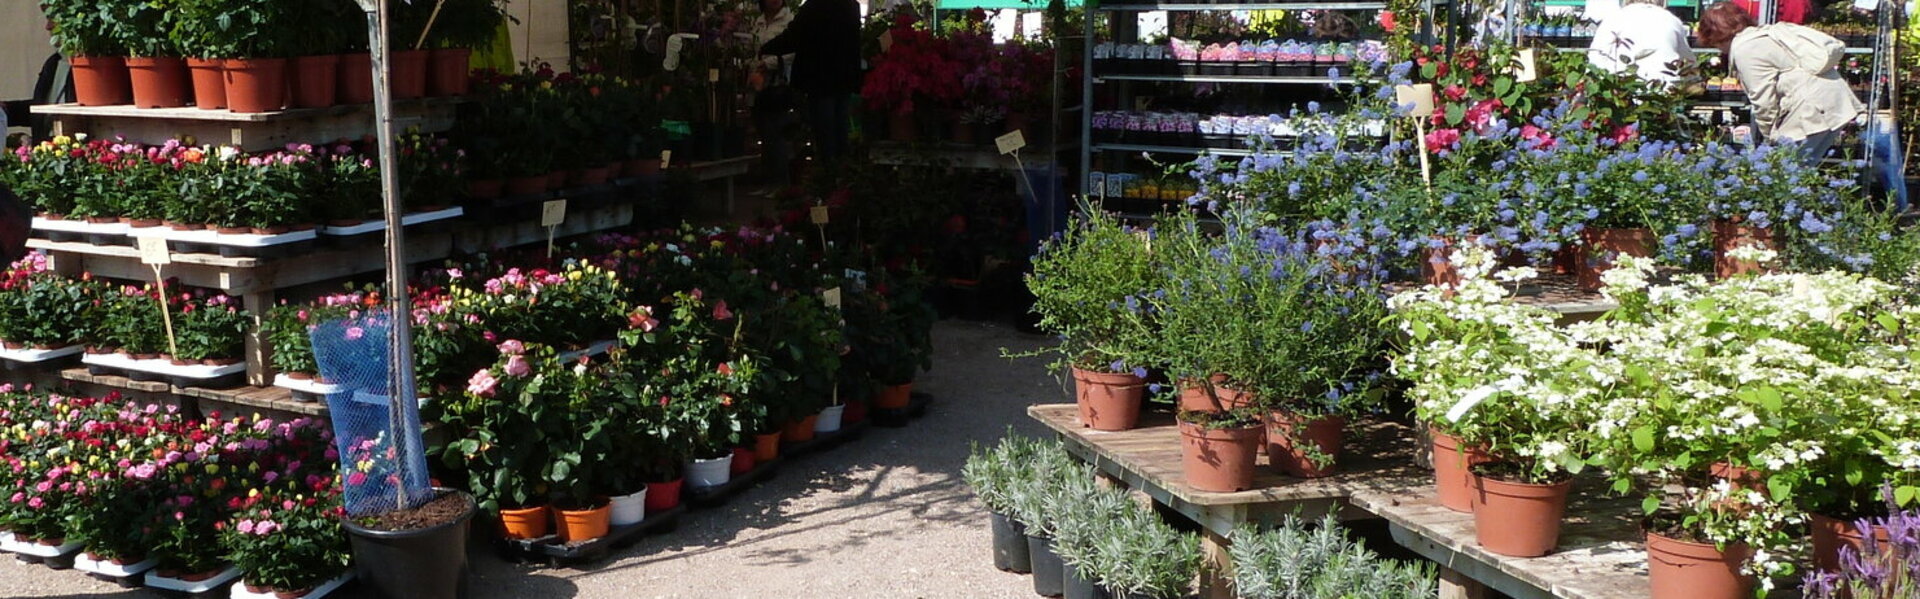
550	550
39	358
127	576
195	375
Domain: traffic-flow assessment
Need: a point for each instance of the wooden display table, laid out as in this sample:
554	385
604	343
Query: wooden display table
252	132
1378	459
974	156
1602	553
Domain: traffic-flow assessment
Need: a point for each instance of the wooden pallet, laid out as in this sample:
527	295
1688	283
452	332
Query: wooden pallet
252	132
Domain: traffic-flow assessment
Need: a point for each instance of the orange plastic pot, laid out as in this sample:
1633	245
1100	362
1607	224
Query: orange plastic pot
256	84
1451	479
525	523
101	81
588	524
893	397
1600	247
799	431
1290	434
1219	460
448	72
1830	534
1518	519
766	447
1739	476
315	80
1108	401
355	83
407	74
209	77
1682	570
158	82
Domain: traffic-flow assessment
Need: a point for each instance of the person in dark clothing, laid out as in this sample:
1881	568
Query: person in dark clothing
15	220
824	40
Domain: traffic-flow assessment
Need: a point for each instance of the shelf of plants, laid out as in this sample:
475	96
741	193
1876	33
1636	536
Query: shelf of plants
956	85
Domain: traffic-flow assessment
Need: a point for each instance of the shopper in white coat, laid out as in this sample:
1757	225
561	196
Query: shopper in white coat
1644	38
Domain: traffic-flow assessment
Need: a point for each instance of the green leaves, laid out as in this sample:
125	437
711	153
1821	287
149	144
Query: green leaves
1906	496
1650	504
1643	439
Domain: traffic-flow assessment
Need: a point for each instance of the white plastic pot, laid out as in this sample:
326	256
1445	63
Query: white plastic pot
829	419
710	473
629	509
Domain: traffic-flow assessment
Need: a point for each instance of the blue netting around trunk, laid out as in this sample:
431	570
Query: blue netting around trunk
383	466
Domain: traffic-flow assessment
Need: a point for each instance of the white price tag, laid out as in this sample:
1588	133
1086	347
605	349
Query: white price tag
818	214
1523	67
666	158
831	297
1011	142
713	75
153	250
553	213
1419	96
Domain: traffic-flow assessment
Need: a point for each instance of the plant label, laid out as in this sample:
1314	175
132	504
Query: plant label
153	250
1868	5
818	214
553	213
831	297
1419	96
1011	142
713	75
666	158
1097	183
1523	67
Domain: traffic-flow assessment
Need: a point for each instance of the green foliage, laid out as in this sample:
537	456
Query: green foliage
1086	284
211	327
90	27
1294	561
292	544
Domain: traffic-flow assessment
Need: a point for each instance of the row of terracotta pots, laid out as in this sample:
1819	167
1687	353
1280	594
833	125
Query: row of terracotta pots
264	84
904	127
1523	520
1599	248
487	189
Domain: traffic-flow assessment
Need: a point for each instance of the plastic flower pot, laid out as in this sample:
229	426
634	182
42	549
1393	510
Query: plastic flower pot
1219	460
1683	570
1452	481
585	525
1518	519
1049	573
448	72
893	397
315	80
209	77
829	420
1729	236
1830	534
526	186
256	84
592	175
525	523
158	82
663	496
766	447
799	431
1075	587
1290	434
629	509
1194	396
742	461
1009	543
485	189
1108	401
710	472
902	127
355	83
1600	247
407	74
101	81
429	563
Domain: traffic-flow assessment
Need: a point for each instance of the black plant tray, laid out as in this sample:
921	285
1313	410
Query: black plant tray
139	580
715	496
550	550
917	406
57	563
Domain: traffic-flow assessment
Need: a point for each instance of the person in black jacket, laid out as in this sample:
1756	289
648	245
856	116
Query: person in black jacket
824	40
15	219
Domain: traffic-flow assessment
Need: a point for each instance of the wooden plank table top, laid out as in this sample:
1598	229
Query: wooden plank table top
1559	293
1601	552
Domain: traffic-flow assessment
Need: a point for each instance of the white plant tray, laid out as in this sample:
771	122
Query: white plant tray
38	550
240	590
30	355
596	349
375	226
163	367
155	580
79	226
112	570
307	386
247	240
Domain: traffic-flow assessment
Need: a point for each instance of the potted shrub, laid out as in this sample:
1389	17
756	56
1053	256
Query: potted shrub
1219	436
1136	555
417	552
463	25
255	39
901	345
129	323
158	74
196	31
288	546
314	56
992	473
1052	482
211	330
1873	571
91	39
44	310
1098	262
503	443
1292	558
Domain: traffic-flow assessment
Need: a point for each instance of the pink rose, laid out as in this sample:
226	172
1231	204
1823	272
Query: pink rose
517	366
513	347
245	527
482	384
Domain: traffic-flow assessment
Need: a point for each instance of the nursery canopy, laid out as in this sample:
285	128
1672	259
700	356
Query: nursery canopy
1000	4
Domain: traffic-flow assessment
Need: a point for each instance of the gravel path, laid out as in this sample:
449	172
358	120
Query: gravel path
885	515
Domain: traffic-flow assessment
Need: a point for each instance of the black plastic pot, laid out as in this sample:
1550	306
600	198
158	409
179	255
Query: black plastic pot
1009	544
1081	588
1049	573
430	563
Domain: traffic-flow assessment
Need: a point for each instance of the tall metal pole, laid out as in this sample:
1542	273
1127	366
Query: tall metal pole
400	360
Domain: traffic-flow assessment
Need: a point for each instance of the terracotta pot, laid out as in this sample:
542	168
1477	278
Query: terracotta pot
1108	401
557	180
799	431
101	81
525	523
743	461
663	496
766	447
592	176
143	223
1518	519
901	127
1218	460
355	82
13	345
526	186
407	74
640	167
1324	434
449	72
1740	476
198	576
587	524
893	397
256	84
273	230
1450	464
299	376
485	189
1194	397
1683	570
1601	246
180	362
1830	534
292	594
1728	236
158	82
315	80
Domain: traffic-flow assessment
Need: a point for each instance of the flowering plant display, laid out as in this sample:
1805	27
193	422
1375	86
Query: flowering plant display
1878	569
287	543
128	321
1085	285
211	327
920	70
43	309
570	308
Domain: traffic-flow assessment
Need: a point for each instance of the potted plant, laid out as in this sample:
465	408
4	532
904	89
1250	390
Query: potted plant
504	443
1292	558
91	38
1098	262
158	74
129	323
1194	302
463	25
288	546
1039	497
44	310
212	330
992	473
901	343
314	57
254	39
196	31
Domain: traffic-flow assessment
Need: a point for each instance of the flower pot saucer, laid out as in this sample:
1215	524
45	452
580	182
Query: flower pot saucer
240	590
30	356
306	390
155	580
110	570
